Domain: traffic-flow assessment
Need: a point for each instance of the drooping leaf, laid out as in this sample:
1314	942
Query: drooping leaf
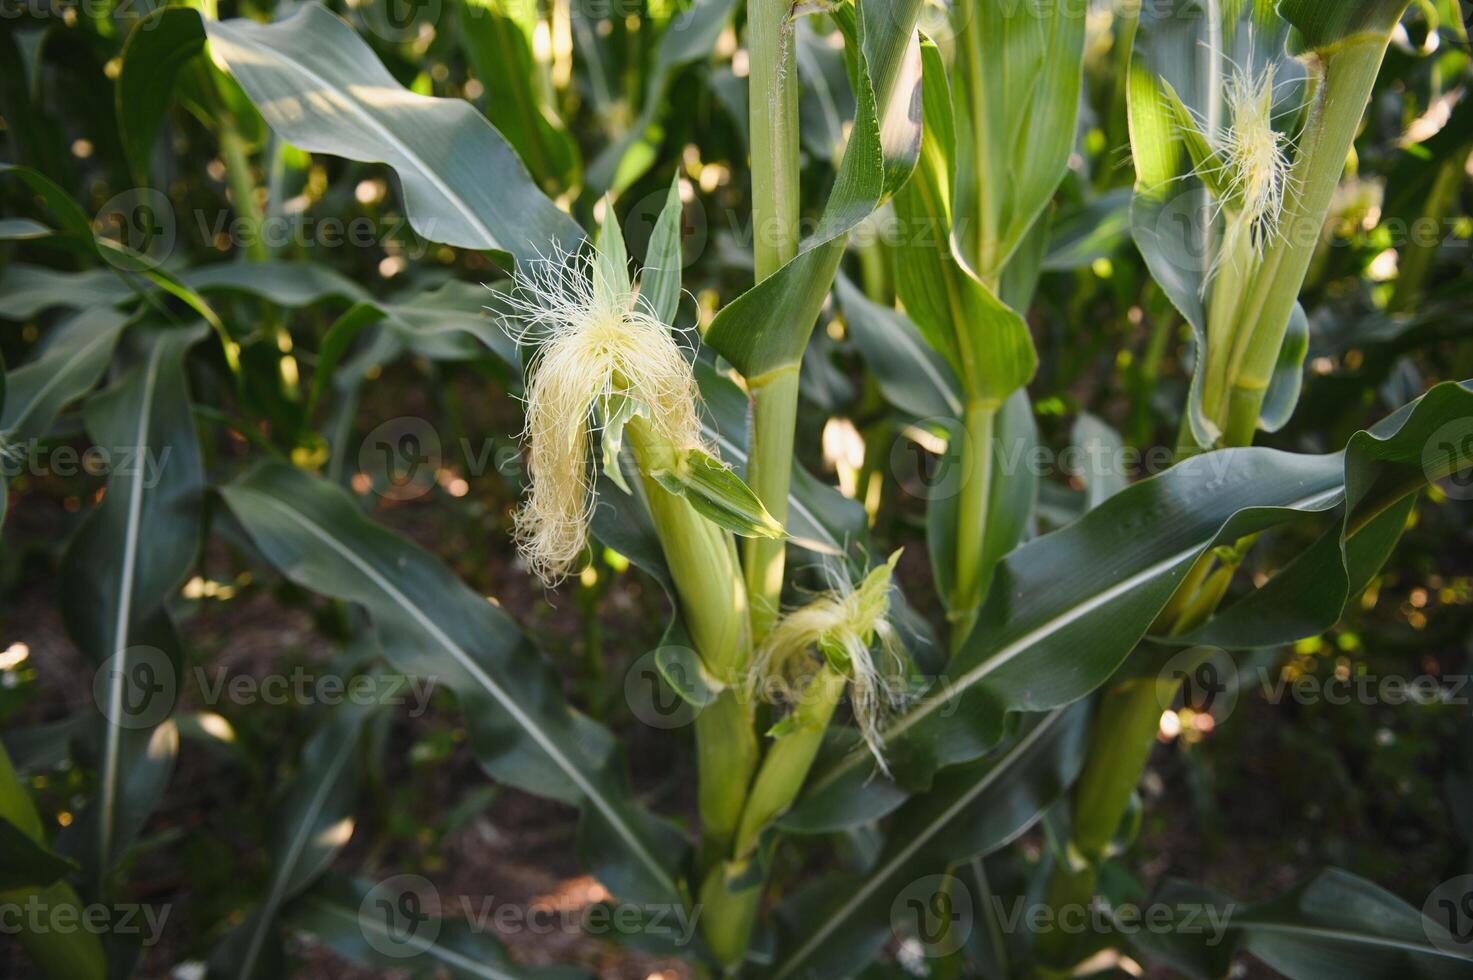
1334	925
432	625
157	48
321	88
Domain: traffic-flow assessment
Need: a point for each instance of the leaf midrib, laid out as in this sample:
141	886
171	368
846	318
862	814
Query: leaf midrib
112	750
234	35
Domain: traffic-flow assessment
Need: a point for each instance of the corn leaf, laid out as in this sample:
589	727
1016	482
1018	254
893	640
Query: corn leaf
1334	925
312	825
1017	102
985	342
432	625
321	88
340	913
497	37
73	955
129	557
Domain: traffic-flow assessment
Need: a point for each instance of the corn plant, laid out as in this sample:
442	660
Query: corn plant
900	704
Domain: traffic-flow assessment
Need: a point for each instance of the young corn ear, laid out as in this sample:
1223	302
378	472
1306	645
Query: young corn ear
849	626
1252	168
597	354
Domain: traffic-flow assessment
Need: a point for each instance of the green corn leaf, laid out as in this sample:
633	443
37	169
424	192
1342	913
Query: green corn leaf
767	328
321	88
1066	609
347	917
27	290
128	559
313	823
820	519
1017	101
912	376
157	48
27	863
75	956
67	365
1094	231
1334	925
1319	24
986	343
432	625
838	926
659	283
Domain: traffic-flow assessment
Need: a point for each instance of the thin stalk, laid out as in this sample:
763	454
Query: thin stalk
769	472
773	115
774	127
979	424
242	184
